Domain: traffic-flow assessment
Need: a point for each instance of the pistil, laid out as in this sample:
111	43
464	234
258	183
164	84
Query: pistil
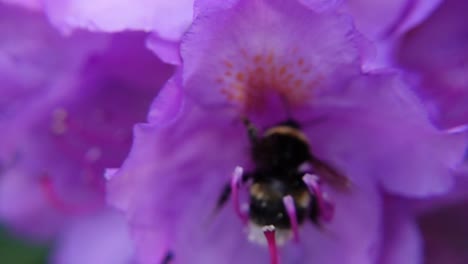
270	235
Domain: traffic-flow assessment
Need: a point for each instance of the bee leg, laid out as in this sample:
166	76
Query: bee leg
313	212
224	197
251	129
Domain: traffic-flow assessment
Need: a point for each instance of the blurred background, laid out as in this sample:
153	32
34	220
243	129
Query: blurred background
16	251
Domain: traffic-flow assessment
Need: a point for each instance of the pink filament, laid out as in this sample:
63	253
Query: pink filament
235	185
326	208
291	210
60	204
269	232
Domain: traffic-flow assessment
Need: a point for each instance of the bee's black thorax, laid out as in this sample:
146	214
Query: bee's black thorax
281	150
277	157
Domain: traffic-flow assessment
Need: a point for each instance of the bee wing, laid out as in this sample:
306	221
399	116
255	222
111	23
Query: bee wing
330	175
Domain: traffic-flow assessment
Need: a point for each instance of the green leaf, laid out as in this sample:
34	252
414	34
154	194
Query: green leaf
17	251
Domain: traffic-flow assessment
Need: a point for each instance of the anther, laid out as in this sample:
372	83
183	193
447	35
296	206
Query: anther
235	186
270	235
327	209
291	210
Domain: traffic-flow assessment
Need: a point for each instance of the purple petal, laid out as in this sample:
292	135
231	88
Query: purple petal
443	34
402	239
355	230
421	10
170	183
102	238
168	18
28	61
67	113
382	19
375	128
168	104
19	211
166	50
286	47
161	161
35	5
438	50
322	5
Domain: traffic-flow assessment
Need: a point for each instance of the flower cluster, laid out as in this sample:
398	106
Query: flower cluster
67	113
279	131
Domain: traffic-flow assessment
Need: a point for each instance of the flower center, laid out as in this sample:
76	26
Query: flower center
82	145
258	77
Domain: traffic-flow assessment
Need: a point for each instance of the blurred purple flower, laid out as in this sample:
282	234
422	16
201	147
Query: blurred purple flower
437	52
442	220
35	5
402	241
379	20
168	20
67	110
382	22
270	61
444	232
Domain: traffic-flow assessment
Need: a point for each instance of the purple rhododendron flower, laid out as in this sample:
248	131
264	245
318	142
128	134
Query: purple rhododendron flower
383	22
269	62
67	110
307	131
168	20
29	4
437	52
379	20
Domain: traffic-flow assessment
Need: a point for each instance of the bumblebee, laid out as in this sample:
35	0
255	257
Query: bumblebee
281	158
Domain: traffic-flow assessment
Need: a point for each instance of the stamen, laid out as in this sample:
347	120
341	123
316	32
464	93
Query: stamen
291	210
235	185
327	209
269	232
60	204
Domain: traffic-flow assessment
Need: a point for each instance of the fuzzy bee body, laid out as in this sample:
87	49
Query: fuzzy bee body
282	157
278	155
267	207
